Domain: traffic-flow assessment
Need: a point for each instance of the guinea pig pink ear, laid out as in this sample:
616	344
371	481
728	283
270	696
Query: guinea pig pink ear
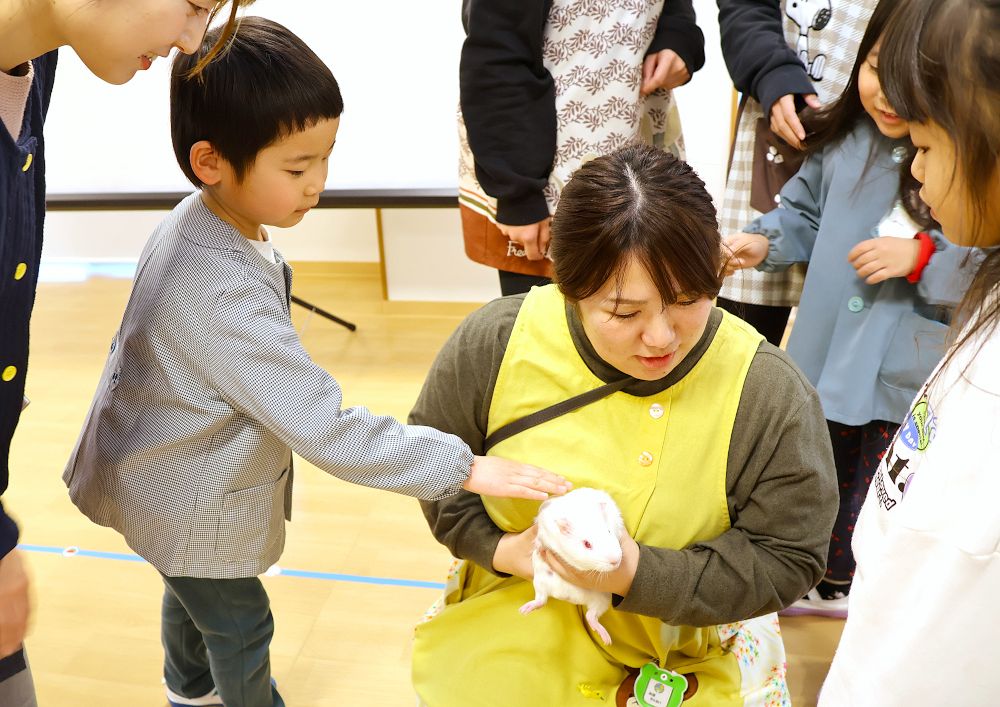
564	527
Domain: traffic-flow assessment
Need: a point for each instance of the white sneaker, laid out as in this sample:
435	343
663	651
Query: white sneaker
812	604
212	699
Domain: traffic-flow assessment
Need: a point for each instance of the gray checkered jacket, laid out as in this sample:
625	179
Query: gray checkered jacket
186	449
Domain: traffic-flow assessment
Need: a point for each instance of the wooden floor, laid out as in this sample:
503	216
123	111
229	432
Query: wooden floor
95	635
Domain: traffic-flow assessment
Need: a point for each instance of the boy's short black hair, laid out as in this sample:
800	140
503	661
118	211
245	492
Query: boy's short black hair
266	84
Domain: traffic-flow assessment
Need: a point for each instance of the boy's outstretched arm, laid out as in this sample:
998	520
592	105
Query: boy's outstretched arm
258	366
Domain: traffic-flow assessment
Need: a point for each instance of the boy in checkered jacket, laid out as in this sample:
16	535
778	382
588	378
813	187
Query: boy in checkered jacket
207	391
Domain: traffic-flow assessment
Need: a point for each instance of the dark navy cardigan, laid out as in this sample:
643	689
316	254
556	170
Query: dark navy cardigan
22	200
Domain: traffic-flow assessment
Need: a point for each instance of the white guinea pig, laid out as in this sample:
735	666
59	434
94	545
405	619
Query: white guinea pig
583	528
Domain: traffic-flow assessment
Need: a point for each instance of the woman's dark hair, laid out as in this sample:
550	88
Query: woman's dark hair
940	63
267	84
638	202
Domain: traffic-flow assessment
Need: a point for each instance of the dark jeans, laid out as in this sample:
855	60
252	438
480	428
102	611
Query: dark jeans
513	283
216	632
16	687
857	452
769	321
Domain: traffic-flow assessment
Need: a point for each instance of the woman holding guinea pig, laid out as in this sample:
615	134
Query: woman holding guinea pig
710	441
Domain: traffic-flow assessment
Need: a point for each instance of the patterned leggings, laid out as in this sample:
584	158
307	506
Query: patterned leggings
857	452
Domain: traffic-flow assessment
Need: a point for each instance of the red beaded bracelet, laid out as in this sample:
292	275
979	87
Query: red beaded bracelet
927	249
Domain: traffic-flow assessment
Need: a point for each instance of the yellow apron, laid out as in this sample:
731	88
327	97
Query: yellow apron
663	459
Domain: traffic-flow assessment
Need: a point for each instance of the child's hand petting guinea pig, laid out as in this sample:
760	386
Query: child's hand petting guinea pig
496	476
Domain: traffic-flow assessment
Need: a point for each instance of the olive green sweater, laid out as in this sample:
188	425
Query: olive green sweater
780	481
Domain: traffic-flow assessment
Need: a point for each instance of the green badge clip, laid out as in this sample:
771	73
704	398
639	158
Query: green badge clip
659	687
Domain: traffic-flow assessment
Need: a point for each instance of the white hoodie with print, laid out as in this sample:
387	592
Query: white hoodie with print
924	608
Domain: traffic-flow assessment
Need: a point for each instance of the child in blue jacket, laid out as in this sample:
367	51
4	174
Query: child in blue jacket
879	292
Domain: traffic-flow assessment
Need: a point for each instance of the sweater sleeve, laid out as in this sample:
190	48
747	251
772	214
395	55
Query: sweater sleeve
678	29
508	104
8	533
259	367
782	496
759	59
791	229
456	397
949	272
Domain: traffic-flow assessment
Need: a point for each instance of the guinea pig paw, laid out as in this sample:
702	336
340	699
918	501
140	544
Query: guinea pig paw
531	606
598	629
603	633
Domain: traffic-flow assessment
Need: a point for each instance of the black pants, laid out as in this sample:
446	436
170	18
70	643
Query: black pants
857	452
513	283
217	633
769	321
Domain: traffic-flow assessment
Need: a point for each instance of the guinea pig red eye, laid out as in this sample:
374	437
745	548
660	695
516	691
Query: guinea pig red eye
586	544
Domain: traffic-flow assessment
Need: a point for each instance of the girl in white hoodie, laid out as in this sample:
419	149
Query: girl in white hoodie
924	605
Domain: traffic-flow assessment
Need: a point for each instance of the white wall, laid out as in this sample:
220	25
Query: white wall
395	60
706	107
424	259
342	235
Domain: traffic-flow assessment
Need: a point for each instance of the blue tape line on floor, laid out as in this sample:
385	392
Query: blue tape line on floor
303	574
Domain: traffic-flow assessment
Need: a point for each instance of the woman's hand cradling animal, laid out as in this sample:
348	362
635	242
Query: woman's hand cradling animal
513	553
618	581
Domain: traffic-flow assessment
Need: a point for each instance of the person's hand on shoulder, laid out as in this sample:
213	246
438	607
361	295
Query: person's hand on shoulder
878	259
743	250
534	237
496	476
15	603
785	121
664	69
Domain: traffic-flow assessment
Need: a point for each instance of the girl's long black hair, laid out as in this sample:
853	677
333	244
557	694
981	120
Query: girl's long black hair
940	63
832	123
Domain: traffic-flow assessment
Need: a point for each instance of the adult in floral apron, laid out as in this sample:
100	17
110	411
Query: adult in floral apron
546	85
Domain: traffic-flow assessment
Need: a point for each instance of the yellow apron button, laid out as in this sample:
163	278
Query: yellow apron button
645	459
27	162
9	373
20	270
